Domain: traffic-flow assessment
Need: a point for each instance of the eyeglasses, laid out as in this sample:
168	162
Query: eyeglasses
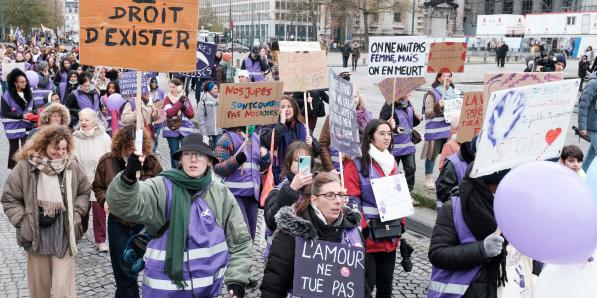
191	154
330	196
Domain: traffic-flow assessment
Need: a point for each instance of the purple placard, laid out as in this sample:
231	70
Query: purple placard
128	83
326	269
206	55
344	129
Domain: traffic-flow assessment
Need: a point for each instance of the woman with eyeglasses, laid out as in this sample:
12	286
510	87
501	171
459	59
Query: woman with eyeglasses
377	162
320	215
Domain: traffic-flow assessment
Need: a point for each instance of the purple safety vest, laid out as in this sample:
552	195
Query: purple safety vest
185	129
206	255
437	128
40	96
335	157
62	92
254	69
403	144
16	128
459	165
84	102
449	283
367	201
246	180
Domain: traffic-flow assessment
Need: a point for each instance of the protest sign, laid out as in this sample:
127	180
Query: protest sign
397	56
142	35
396	88
524	124
206	55
450	107
8	67
495	82
392	197
344	129
302	72
128	83
245	104
299	46
471	116
447	57
326	269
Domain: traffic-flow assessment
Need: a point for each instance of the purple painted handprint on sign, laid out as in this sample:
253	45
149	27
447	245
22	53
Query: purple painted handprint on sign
505	116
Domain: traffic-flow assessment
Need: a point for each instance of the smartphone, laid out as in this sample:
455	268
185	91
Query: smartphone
304	164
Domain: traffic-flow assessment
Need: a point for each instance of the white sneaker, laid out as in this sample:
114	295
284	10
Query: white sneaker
102	247
429	183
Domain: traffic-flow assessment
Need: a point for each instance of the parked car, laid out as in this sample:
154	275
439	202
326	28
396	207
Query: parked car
237	48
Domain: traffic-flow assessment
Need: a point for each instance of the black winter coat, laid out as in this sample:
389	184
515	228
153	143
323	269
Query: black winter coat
279	269
280	196
316	108
446	252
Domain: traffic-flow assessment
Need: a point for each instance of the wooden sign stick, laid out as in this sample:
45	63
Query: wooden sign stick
341	168
306	115
140	121
393	98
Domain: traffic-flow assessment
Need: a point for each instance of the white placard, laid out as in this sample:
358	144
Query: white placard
299	46
392	197
397	56
451	106
524	124
8	67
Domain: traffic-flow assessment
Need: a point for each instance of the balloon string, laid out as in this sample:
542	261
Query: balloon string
589	260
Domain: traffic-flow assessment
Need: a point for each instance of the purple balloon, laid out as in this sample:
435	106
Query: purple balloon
548	213
115	101
33	78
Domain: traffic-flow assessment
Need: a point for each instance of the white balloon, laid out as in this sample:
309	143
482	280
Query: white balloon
574	281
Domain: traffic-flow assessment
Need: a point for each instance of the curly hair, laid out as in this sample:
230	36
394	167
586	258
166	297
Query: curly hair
125	138
46	136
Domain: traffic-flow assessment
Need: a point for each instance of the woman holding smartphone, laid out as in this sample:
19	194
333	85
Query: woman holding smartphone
290	128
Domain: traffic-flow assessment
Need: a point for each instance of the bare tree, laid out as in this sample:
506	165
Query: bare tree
367	8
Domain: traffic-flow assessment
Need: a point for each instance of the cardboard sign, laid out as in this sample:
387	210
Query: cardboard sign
344	129
450	107
471	116
245	104
447	57
141	35
495	82
394	89
206	55
8	67
392	197
524	124
397	56
326	269
128	83
302	72
299	46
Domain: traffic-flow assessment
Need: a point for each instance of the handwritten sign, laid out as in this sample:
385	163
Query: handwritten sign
301	72
524	124
326	269
392	197
403	86
205	55
344	129
397	56
495	82
450	107
447	57
245	104
128	83
471	116
8	67
141	35
299	46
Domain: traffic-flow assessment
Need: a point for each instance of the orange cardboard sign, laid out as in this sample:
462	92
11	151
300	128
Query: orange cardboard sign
144	35
394	89
447	57
302	72
471	116
243	104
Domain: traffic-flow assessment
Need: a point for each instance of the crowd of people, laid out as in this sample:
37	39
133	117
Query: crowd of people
191	226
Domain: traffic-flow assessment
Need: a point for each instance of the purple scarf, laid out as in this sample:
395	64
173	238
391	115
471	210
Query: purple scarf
363	117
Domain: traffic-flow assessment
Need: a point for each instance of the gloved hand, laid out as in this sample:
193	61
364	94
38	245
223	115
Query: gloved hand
183	107
31	117
236	291
133	165
492	245
241	157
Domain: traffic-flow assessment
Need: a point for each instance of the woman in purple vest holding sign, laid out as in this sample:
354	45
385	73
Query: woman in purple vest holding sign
437	130
322	217
467	254
17	103
290	128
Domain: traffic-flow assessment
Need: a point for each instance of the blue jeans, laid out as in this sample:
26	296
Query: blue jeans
592	151
438	145
174	144
126	281
156	133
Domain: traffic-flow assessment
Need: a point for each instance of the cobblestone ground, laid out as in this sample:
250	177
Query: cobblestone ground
94	273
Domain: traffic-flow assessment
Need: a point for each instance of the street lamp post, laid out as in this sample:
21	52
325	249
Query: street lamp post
412	29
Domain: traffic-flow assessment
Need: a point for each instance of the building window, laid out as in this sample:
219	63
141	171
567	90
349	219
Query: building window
489	6
527	6
570	21
375	17
508	7
397	17
546	7
569	5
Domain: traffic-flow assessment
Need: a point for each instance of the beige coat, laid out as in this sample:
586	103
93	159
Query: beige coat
19	200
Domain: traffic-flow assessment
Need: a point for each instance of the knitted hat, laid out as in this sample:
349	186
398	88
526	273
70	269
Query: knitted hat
210	86
41	65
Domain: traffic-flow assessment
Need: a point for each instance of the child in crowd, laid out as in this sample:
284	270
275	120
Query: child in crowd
572	157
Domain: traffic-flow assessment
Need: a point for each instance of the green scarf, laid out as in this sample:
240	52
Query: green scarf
182	187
